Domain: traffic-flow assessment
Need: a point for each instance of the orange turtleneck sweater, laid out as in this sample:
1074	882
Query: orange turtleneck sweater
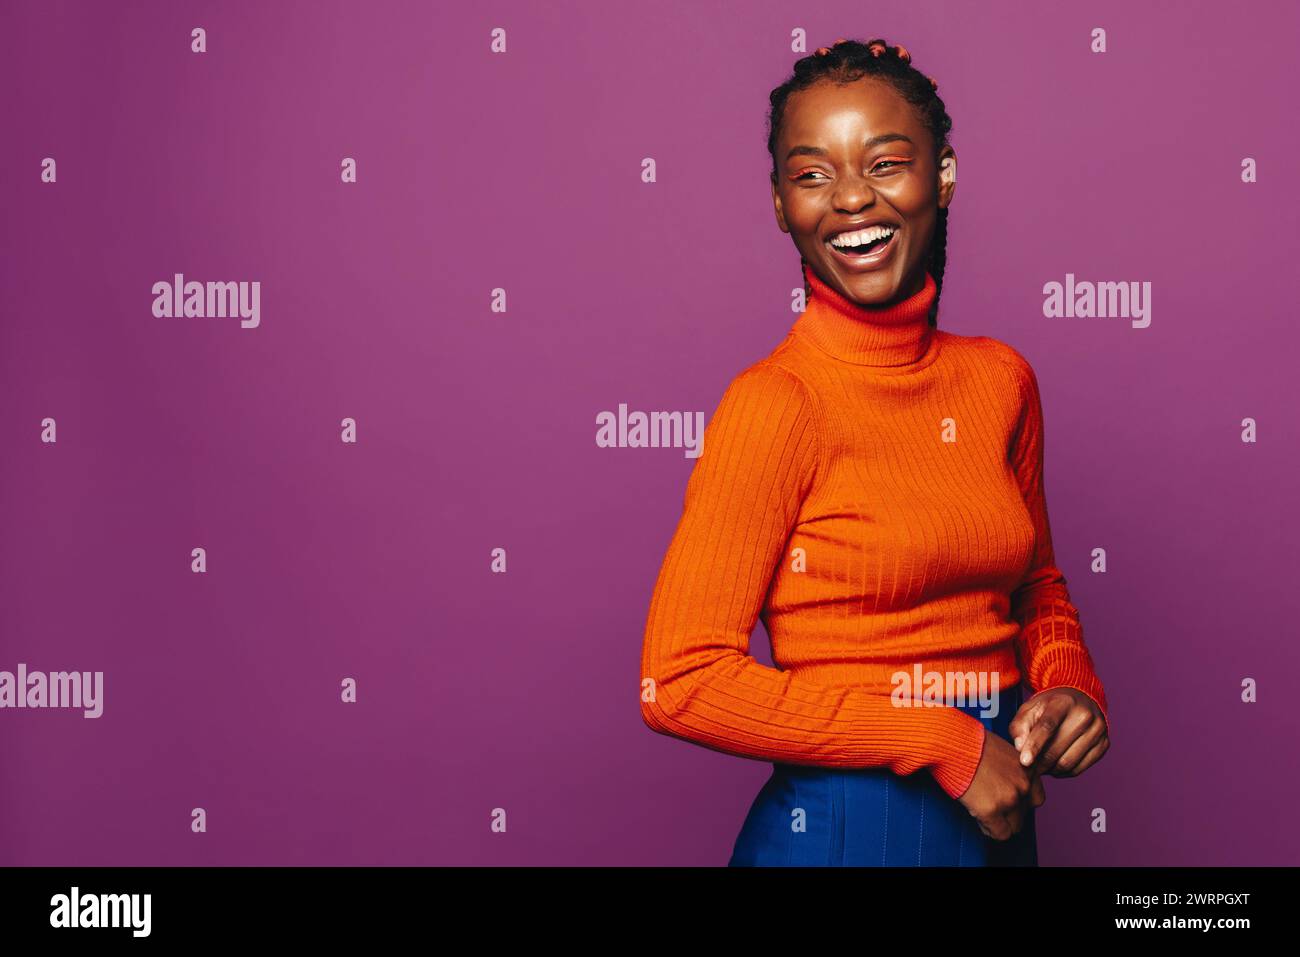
873	491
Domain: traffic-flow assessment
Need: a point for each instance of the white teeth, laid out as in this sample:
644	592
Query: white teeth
862	236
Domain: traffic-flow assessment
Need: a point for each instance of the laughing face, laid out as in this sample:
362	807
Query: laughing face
858	188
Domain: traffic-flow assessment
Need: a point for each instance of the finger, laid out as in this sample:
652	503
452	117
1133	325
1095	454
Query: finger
1015	820
1085	740
1073	726
1093	756
1023	721
1038	793
1043	730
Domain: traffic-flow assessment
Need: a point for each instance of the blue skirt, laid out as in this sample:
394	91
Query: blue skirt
872	817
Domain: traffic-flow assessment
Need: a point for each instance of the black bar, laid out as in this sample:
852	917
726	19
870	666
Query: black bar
948	907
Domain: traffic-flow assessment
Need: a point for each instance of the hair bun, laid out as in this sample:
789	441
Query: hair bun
879	48
822	51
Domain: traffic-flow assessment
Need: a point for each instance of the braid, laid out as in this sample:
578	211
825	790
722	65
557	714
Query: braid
847	60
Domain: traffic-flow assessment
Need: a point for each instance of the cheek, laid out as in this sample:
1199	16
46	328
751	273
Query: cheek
802	217
921	232
914	206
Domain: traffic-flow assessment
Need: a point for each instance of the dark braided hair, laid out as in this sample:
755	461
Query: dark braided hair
849	60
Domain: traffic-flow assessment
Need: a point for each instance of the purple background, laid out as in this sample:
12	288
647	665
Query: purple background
476	429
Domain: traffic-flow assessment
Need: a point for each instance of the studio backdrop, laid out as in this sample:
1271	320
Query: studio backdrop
346	557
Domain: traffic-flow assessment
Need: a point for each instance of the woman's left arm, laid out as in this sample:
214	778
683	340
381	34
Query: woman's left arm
1065	725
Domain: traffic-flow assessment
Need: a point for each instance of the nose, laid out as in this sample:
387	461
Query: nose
853	192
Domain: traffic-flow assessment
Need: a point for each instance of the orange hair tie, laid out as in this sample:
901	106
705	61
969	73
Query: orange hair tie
822	51
878	49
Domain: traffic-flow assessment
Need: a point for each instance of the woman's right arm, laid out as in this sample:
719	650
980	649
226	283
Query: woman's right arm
762	450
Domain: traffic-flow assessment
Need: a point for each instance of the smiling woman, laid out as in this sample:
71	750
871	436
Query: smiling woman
859	142
873	492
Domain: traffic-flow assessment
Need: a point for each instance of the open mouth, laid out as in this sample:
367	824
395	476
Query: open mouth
865	244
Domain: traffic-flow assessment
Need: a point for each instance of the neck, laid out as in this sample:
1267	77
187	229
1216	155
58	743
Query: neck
890	336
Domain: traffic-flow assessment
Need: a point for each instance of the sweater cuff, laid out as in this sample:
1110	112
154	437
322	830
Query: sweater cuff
1068	665
964	747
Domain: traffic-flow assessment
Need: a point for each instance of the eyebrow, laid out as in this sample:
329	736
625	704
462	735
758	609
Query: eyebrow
869	144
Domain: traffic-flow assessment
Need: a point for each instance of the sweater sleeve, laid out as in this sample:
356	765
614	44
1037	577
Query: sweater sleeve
1050	643
761	454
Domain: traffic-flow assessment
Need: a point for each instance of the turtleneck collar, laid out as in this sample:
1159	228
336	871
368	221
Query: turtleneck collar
896	338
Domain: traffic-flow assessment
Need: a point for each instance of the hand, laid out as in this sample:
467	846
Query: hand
1060	732
1000	793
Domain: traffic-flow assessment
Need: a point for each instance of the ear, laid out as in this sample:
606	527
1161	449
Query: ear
947	176
776	204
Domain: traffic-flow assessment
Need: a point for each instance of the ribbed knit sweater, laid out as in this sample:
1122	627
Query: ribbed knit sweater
873	491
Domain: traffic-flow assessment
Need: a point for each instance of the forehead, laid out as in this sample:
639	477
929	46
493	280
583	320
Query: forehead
829	114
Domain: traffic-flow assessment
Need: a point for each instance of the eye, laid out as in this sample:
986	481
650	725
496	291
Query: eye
803	177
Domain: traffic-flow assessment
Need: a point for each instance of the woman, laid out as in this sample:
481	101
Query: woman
872	490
